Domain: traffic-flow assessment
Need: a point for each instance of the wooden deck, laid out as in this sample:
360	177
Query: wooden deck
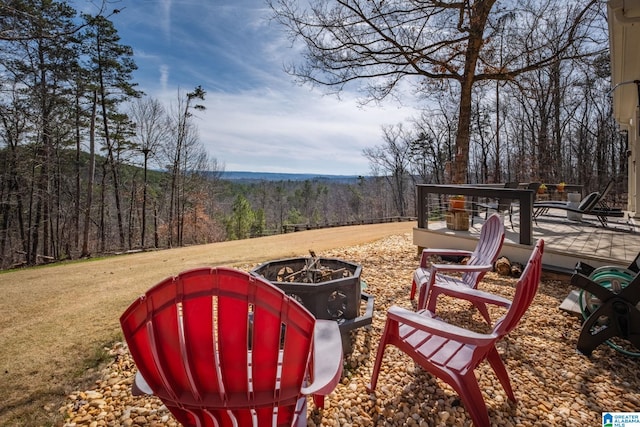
566	241
619	241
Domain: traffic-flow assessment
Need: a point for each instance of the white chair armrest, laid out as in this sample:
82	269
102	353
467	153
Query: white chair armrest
462	268
441	252
140	386
327	358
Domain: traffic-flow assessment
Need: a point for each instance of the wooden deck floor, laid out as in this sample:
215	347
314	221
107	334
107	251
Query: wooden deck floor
566	241
619	241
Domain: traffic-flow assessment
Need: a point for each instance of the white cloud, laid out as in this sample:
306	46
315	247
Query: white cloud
164	77
297	131
257	119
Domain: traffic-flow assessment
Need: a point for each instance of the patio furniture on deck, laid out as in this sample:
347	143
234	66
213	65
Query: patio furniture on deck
500	205
220	347
593	204
452	353
479	262
534	186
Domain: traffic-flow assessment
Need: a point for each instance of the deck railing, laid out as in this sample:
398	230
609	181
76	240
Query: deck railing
431	202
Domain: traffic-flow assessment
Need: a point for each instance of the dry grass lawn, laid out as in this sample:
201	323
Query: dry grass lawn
55	320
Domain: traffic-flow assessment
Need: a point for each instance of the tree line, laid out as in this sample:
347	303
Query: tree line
558	127
79	140
91	165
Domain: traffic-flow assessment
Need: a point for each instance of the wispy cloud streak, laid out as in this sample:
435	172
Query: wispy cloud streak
164	77
166	18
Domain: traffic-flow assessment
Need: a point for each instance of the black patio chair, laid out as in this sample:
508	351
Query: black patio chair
593	204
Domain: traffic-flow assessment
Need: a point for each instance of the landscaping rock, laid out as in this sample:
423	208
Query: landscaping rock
554	384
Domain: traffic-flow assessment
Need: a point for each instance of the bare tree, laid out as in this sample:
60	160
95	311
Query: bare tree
382	42
152	129
184	136
391	161
433	145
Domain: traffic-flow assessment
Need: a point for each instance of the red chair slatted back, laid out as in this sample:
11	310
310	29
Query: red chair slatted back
223	340
526	289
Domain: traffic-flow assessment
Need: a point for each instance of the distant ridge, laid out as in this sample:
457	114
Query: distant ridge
274	176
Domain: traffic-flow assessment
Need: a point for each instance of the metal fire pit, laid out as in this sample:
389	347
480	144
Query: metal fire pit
329	288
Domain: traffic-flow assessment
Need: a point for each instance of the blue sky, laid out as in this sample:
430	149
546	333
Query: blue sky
256	118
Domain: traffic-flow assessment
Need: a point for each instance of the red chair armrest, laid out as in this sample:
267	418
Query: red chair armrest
423	321
470	294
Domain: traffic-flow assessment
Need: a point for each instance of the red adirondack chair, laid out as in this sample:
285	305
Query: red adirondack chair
452	353
220	347
480	261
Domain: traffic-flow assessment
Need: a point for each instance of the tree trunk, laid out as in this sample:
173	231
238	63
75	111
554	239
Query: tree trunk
76	212
109	144
113	166
12	191
557	161
132	209
156	237
172	201
477	22
103	208
90	178
497	173
40	196
144	200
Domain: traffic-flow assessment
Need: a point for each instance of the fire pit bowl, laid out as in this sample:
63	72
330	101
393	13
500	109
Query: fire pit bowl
329	288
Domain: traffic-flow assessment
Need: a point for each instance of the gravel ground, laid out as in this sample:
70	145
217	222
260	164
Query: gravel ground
554	385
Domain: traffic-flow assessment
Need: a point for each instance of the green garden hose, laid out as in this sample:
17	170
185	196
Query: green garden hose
615	280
